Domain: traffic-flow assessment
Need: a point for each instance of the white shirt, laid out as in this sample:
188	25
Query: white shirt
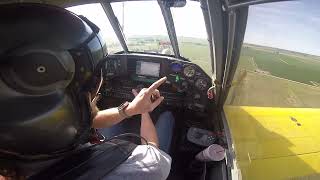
146	162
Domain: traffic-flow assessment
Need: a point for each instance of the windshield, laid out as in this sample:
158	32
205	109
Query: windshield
143	26
145	31
192	35
96	14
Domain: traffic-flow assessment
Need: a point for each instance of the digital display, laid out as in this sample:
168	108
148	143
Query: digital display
176	67
148	68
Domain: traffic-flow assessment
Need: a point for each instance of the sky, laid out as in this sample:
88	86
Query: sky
292	25
145	18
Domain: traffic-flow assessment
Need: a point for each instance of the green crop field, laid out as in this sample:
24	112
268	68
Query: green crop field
278	63
276	78
256	89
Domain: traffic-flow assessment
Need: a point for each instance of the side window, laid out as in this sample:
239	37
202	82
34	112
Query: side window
280	58
95	13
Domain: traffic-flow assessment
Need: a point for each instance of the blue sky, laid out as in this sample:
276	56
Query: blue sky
292	25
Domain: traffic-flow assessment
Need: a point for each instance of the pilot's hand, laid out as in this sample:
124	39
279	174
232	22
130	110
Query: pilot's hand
147	99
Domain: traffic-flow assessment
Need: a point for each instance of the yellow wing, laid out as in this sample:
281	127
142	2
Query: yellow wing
275	143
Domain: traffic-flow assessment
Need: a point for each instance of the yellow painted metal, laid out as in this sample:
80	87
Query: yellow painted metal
275	143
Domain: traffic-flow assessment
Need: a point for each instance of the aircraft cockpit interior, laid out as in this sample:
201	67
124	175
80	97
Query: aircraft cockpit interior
185	95
242	84
186	86
129	49
144	58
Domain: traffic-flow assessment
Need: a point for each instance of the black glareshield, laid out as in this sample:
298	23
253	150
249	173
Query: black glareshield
47	57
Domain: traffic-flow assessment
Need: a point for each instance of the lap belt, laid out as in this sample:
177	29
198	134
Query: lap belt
94	163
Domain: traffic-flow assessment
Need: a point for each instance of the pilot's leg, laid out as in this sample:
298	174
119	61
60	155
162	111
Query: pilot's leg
164	127
125	126
112	131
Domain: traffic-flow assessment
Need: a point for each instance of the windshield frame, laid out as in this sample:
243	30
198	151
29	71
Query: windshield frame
167	17
115	24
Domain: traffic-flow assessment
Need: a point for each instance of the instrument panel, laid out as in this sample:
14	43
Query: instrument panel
186	85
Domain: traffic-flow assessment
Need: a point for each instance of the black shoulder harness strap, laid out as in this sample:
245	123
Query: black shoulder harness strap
93	163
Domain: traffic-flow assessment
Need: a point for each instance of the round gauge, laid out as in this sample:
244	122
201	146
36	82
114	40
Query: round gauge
201	84
176	67
189	71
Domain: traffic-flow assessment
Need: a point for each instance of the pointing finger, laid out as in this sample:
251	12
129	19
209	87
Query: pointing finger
156	84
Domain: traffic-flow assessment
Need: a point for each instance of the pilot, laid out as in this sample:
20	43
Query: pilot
49	58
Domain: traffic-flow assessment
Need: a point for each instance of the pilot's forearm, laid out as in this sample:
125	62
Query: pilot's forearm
109	117
148	131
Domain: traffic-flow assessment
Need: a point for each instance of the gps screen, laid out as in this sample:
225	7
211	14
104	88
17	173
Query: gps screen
148	68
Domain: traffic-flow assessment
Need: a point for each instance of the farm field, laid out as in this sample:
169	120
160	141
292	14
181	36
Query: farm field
279	63
257	89
271	77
